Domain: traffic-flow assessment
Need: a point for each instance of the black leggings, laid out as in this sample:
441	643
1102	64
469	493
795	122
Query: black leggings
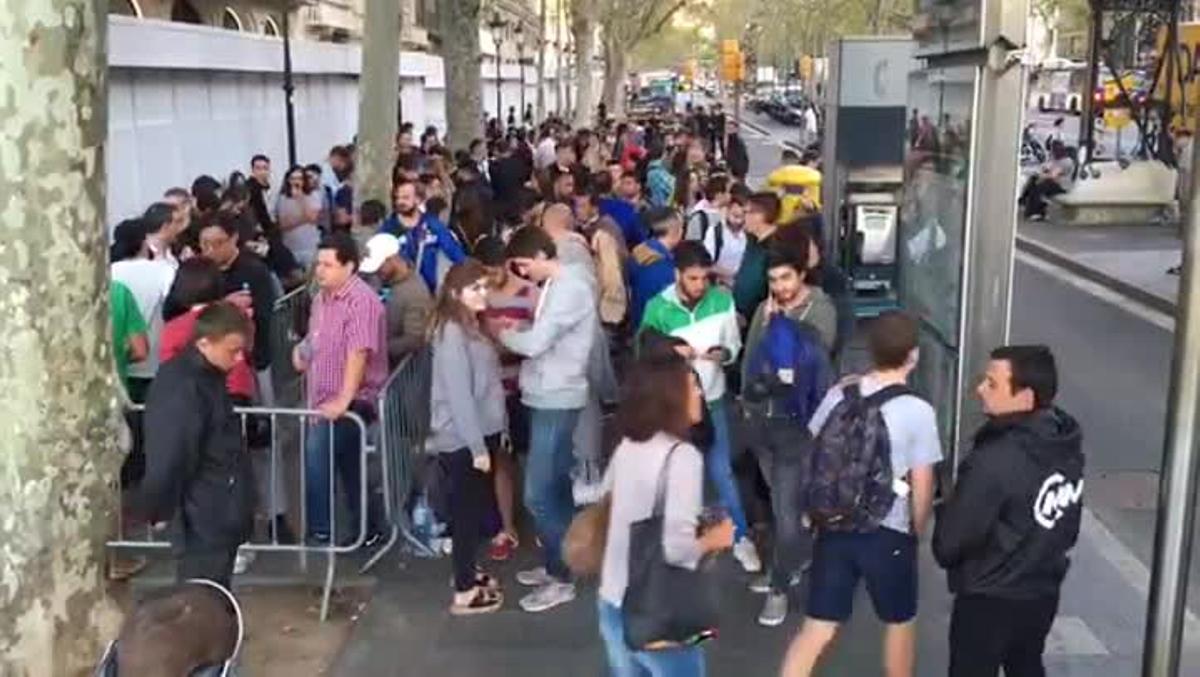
470	494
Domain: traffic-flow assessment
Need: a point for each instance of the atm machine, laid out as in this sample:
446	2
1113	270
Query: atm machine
865	133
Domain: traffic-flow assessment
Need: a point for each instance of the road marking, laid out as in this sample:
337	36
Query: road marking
1071	636
1099	291
1136	574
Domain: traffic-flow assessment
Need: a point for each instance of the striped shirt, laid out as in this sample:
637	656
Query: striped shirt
349	319
520	307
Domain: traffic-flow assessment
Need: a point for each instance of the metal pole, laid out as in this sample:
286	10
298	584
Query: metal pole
1087	123
288	86
1177	486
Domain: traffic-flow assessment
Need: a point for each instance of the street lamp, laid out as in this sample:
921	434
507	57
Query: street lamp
519	36
288	86
497	26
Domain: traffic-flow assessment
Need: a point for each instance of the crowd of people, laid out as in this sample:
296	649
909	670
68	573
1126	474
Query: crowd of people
554	274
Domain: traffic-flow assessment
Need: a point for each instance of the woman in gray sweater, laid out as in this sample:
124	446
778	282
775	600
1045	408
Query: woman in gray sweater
661	402
467	420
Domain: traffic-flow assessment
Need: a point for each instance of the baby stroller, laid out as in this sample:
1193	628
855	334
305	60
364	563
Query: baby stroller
224	668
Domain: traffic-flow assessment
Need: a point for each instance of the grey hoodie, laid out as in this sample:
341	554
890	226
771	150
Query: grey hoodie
467	393
559	344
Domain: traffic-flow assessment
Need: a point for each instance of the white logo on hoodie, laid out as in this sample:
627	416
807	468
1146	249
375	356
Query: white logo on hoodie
1054	498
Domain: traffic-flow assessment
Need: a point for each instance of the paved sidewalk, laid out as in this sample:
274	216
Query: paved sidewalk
1131	260
407	630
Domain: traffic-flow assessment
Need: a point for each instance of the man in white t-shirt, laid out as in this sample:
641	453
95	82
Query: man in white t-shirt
727	243
884	557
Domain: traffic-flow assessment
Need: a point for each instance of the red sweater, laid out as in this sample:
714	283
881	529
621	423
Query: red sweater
177	334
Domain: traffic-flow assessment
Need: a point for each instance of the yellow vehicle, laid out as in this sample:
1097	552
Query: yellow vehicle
799	190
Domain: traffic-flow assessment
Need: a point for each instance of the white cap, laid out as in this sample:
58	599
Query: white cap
380	248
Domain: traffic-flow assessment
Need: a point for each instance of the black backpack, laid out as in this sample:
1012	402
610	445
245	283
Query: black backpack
850	486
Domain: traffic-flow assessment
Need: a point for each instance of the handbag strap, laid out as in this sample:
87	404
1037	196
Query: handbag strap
660	490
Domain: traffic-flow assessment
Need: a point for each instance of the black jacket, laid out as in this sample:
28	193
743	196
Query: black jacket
1009	527
197	469
736	156
249	272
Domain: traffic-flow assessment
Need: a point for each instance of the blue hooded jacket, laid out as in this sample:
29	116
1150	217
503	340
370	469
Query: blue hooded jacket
651	270
627	218
423	244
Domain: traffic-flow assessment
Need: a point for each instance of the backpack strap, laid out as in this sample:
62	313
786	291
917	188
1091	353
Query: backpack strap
718	241
882	397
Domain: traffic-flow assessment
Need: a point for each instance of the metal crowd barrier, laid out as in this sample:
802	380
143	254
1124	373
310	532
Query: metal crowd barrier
286	423
403	410
403	407
289	325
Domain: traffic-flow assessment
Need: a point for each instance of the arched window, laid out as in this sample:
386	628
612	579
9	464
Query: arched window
230	20
125	8
269	27
183	12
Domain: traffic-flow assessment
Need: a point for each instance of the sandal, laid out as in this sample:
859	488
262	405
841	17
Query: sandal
482	580
488	581
482	601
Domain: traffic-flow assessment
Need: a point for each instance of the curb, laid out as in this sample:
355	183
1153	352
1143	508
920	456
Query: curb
1064	260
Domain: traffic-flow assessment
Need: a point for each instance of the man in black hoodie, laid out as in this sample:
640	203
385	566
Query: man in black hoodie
1005	534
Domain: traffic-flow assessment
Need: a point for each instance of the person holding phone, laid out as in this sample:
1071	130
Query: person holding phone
703	315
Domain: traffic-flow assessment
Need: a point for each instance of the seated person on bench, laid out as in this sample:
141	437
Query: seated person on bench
1055	177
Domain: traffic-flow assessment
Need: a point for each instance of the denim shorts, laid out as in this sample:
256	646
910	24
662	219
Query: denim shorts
884	559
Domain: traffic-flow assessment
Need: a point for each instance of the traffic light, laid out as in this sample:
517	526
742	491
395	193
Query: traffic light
733	65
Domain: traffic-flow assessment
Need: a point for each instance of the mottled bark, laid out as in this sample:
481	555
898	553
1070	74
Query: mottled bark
541	64
615	65
583	30
458	22
378	102
58	455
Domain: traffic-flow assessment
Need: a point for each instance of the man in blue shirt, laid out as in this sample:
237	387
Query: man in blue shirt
423	238
652	265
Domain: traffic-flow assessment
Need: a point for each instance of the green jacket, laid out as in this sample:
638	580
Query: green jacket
711	324
750	283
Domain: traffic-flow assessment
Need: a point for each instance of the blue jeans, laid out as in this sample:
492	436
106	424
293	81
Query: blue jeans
347	462
719	467
625	662
548	481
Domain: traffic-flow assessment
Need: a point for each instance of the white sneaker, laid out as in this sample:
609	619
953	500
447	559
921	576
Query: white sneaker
747	555
774	610
534	578
241	563
548	596
761	584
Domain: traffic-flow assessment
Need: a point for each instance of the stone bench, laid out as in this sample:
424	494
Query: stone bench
1143	192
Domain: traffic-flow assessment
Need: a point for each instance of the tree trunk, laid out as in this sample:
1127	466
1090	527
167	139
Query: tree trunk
58	451
378	98
541	65
458	22
583	28
614	78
